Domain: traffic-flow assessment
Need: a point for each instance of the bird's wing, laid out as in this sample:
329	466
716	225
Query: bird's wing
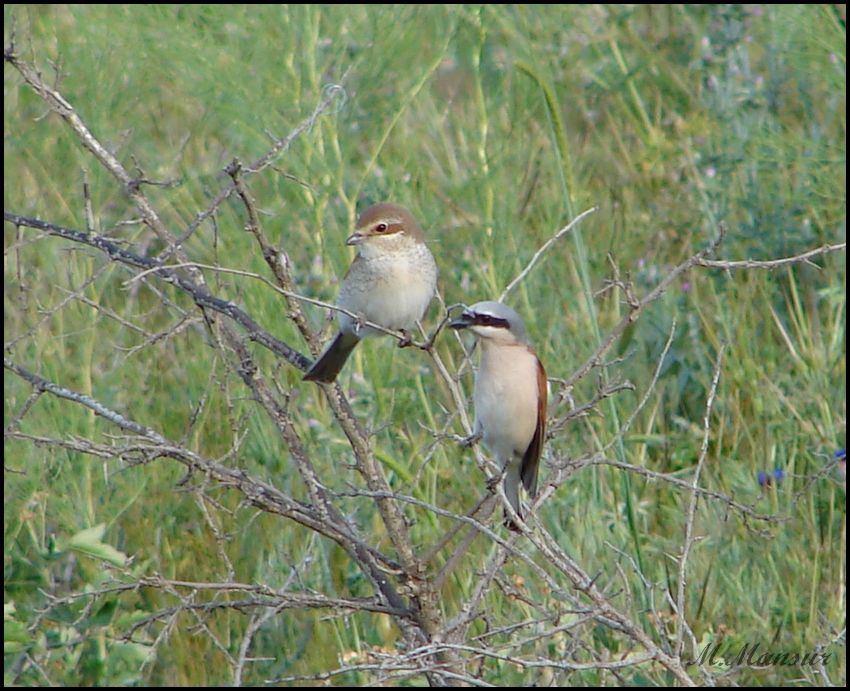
531	459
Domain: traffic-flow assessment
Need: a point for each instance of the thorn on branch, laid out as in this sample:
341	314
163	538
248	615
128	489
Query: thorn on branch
233	168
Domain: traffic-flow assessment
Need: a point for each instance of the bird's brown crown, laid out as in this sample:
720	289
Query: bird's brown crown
386	219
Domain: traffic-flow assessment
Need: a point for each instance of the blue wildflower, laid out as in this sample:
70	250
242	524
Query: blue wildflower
766	479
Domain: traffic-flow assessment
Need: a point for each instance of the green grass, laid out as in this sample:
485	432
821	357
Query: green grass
495	125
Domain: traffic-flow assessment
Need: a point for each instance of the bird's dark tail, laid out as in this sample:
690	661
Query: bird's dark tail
328	366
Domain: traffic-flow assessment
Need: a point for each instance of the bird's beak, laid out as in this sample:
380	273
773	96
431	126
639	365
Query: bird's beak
463	321
355	238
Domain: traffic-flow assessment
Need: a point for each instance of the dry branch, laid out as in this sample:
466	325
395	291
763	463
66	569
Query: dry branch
202	297
405	580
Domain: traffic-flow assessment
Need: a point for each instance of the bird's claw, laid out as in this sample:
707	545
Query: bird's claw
359	324
471	440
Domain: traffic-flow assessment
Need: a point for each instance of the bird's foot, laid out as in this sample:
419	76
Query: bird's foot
471	440
359	325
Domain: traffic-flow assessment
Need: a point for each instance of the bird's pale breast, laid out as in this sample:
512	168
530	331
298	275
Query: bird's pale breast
506	399
392	288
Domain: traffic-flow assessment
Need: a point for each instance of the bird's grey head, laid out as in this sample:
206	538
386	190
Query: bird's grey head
492	321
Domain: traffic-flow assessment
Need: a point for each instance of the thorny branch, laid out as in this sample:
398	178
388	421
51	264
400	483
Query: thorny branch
406	578
202	297
602	609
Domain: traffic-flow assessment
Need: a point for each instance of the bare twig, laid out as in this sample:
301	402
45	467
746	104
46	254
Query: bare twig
804	257
277	261
58	104
258	493
692	507
542	250
635	311
627	425
330	94
601	459
198	292
566	601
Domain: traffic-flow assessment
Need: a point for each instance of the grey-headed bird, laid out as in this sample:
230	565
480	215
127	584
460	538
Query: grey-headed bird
390	283
510	396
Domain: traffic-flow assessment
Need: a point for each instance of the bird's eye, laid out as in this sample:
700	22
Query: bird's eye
381	228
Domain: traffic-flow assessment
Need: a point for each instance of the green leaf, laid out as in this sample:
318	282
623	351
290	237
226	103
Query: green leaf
104	614
88	542
15	637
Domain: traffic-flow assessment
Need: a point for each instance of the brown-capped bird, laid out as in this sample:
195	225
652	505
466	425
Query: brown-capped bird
391	282
510	396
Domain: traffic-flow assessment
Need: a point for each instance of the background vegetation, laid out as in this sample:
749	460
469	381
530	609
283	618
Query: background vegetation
496	125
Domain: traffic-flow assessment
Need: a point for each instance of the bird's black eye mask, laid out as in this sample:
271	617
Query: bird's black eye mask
469	318
488	320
